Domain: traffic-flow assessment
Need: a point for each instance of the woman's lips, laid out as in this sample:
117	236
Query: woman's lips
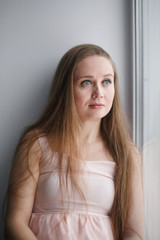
96	105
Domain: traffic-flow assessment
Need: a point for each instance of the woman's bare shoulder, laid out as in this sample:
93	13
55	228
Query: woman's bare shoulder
136	158
28	149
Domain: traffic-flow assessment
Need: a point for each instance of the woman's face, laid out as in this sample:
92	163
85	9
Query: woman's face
93	88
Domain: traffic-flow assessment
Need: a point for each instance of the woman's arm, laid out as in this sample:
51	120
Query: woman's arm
134	228
20	201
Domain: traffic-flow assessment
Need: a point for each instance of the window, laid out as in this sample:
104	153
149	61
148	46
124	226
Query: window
146	105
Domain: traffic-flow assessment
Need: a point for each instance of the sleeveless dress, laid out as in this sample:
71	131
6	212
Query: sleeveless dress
72	218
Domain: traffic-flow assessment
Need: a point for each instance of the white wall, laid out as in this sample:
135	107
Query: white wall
34	34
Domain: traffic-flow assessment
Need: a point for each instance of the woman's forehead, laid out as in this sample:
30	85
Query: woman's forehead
94	65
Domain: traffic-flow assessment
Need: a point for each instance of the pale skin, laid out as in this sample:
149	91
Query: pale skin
93	84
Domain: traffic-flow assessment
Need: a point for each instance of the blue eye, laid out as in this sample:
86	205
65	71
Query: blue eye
85	83
106	82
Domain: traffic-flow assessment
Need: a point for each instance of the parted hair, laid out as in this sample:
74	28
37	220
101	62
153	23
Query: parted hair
60	123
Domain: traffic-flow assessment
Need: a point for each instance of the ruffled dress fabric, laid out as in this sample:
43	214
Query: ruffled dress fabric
73	218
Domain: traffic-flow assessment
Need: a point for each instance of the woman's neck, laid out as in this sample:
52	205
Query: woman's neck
90	132
92	146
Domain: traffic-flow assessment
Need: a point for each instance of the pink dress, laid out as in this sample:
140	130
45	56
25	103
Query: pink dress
72	220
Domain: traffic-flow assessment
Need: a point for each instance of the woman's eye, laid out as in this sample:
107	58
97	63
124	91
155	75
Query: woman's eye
85	83
106	82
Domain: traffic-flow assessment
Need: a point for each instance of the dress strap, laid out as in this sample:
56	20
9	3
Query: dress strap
42	140
48	157
43	143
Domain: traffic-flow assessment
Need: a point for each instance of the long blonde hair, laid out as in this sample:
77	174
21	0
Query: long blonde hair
60	119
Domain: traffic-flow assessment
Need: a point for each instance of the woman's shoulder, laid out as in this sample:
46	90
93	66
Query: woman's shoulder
33	137
136	157
30	144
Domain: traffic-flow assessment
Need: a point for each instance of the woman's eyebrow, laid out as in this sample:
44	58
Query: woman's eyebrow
85	76
91	76
109	75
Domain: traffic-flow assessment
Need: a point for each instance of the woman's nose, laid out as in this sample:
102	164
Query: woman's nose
97	93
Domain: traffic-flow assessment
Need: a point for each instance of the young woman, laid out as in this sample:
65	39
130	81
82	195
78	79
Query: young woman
76	173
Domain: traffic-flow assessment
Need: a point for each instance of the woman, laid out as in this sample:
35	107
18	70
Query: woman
76	173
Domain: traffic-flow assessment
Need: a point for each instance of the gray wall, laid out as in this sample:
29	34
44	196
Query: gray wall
34	34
